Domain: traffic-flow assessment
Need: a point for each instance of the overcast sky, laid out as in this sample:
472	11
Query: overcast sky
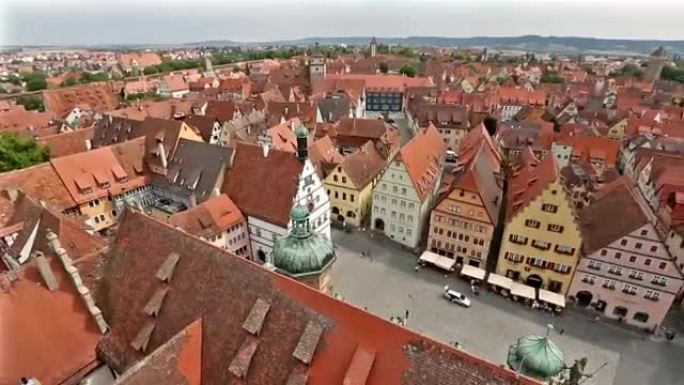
31	22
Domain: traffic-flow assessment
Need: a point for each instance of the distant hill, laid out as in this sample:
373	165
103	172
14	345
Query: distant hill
552	44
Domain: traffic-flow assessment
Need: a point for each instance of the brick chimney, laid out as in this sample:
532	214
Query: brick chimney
75	277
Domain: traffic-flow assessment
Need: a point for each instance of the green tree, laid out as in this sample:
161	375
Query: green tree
69	82
150	70
632	70
408	70
551	77
19	152
673	73
383	67
31	102
35	81
87	77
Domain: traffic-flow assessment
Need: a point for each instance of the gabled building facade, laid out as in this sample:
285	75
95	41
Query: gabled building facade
541	241
627	272
350	185
265	184
463	220
217	221
404	195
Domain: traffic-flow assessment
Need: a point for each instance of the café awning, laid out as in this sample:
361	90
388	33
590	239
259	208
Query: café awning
473	272
521	290
500	281
437	260
551	298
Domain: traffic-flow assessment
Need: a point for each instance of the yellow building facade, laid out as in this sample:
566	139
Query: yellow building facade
349	203
541	241
617	131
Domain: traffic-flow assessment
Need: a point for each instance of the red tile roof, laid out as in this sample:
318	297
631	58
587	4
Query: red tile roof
324	155
96	97
51	335
593	147
176	362
300	334
68	143
527	183
283	137
363	165
598	225
17	119
386	82
140	59
422	156
209	218
263	186
519	96
40	182
93	174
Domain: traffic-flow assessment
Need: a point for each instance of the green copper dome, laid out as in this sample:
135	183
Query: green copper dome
302	252
536	357
301	132
299	213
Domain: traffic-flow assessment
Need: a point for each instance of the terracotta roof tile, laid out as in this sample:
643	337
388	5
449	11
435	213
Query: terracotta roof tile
597	220
386	82
245	182
209	218
363	165
60	348
422	157
96	97
40	182
17	119
225	295
140	59
89	175
68	143
177	362
527	183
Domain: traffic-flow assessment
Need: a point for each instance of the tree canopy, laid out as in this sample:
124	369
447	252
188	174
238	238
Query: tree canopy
632	70
673	73
383	67
19	152
551	77
35	81
31	102
408	70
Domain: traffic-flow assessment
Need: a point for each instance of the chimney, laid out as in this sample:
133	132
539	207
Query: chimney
75	277
161	151
265	148
88	144
12	194
46	271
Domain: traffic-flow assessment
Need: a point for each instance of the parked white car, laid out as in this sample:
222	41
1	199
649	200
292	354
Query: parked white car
456	297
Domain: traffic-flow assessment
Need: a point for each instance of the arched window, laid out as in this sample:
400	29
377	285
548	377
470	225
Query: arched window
640	316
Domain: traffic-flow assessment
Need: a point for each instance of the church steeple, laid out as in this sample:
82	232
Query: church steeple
373	47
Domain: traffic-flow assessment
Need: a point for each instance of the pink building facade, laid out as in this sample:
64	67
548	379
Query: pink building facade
633	278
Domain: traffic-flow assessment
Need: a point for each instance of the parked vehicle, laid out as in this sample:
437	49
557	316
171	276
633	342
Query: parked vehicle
451	157
456	297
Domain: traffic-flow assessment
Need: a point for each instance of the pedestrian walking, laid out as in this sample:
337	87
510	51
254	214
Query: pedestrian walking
561	331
